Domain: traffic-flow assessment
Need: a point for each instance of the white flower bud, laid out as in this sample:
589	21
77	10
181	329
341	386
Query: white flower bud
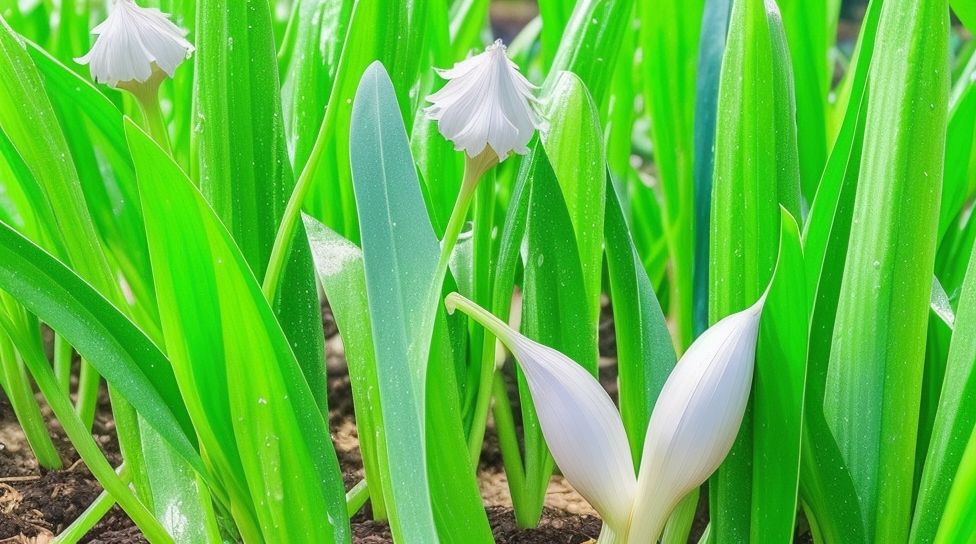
696	419
486	103
133	43
579	421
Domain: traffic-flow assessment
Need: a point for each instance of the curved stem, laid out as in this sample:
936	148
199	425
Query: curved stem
93	514
147	95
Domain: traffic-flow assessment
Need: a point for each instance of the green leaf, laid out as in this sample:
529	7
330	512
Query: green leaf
590	45
959	519
400	254
809	46
249	402
715	23
756	171
669	43
28	120
954	420
128	360
339	264
393	32
778	393
574	144
555	311
645	354
874	380
243	165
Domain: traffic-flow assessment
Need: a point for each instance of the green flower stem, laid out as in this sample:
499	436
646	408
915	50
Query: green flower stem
81	437
356	497
62	361
147	95
93	514
87	401
28	414
456	222
504	422
511	454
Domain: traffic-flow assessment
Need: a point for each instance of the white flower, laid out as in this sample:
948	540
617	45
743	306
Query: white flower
694	423
696	419
132	42
579	421
486	102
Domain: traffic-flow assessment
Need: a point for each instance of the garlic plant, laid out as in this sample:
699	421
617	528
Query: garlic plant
695	420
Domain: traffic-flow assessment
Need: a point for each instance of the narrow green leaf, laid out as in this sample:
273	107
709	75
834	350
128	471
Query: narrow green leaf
555	311
400	254
778	393
954	420
669	43
806	25
959	520
574	144
756	171
715	24
874	378
645	354
339	264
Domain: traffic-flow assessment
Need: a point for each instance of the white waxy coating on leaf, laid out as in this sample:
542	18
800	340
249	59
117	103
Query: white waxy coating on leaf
486	102
131	41
696	419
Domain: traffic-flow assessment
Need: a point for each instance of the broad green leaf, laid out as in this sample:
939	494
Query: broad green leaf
954	420
400	254
555	311
243	162
756	171
715	23
778	392
128	360
574	144
645	354
873	384
826	487
254	413
669	33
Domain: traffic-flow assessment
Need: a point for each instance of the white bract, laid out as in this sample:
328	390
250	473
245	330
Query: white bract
486	103
694	422
134	42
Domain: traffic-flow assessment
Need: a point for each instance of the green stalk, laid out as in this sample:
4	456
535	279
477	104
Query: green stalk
21	396
511	454
93	514
356	497
62	361
87	394
81	438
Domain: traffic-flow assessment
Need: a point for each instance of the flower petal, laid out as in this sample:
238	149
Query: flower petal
696	419
131	41
579	421
486	102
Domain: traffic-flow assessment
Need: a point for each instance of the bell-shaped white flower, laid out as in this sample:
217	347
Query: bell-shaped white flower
696	419
486	103
134	42
579	421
